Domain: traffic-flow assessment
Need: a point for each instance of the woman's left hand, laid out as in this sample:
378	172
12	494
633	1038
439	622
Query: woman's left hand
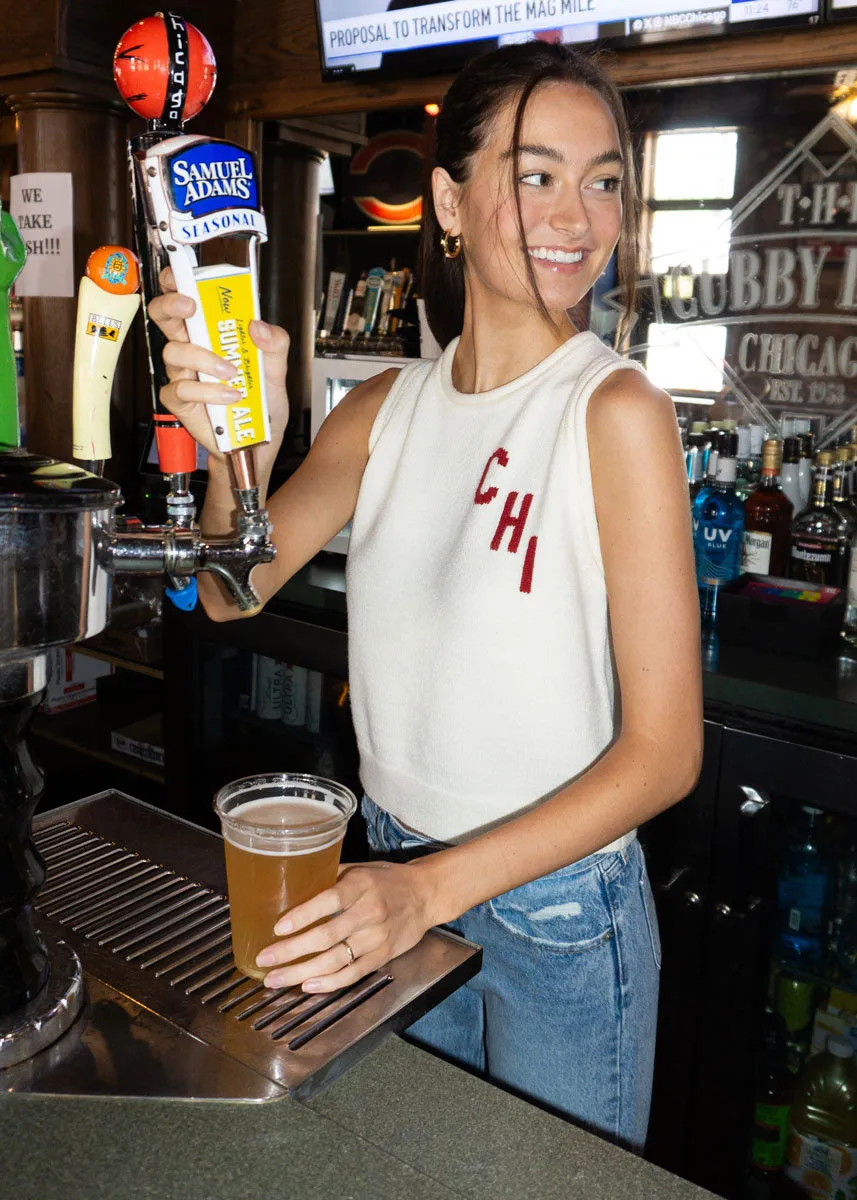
380	908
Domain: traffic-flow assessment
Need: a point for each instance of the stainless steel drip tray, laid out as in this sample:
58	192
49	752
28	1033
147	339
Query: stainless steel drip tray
140	895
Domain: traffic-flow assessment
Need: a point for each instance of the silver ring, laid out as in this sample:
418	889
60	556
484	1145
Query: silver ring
350	951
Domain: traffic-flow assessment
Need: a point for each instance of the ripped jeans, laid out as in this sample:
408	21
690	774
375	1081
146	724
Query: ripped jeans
564	1010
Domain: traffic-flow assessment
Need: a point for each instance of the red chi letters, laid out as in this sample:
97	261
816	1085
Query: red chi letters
509	518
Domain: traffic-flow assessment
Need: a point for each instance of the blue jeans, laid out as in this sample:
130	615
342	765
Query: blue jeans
564	1010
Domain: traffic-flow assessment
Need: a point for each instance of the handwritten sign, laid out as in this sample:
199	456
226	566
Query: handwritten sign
42	205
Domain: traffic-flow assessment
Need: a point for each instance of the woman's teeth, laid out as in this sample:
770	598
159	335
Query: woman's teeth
558	256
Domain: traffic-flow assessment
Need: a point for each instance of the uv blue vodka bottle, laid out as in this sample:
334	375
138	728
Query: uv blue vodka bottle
718	529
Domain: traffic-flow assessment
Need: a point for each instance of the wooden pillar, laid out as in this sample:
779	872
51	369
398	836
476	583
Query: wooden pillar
68	131
290	189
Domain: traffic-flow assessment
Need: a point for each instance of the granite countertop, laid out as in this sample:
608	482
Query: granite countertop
400	1124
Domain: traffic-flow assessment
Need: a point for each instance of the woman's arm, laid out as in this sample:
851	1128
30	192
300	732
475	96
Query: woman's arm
317	501
644	530
312	506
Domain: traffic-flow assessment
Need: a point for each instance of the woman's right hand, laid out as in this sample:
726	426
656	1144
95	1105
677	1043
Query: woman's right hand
185	395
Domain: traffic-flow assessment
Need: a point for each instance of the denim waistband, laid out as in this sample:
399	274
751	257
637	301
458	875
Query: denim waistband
409	844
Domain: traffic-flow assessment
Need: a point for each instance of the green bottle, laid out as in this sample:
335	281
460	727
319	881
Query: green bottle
13	255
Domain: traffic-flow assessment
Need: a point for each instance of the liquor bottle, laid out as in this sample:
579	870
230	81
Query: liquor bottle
789	473
819	546
840	498
805	473
757	437
803	892
768	514
852	475
713	437
772	1099
745	469
718	529
693	458
849	622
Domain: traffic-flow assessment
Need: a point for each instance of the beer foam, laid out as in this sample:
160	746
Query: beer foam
309	813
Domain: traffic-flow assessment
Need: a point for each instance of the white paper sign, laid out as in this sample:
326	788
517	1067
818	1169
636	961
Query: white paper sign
42	205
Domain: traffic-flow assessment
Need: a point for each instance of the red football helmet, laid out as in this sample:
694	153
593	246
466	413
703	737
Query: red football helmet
142	68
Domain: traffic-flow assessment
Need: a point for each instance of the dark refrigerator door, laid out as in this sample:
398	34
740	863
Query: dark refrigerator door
776	800
678	856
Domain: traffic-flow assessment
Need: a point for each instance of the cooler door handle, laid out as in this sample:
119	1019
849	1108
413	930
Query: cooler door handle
754	802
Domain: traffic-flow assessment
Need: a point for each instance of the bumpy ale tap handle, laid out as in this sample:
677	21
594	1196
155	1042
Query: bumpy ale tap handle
13	255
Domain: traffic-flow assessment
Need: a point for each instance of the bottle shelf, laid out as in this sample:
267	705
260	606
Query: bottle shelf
125	664
86	731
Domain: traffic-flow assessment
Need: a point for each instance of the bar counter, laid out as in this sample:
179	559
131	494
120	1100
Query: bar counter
780	688
401	1123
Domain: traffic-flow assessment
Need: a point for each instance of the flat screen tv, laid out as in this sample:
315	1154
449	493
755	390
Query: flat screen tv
399	37
840	10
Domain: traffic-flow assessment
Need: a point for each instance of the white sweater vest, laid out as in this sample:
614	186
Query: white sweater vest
482	676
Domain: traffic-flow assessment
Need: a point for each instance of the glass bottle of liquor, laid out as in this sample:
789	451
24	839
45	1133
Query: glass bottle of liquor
772	1099
849	453
713	438
789	473
694	460
849	623
768	515
744	474
754	465
819	545
718	529
839	498
699	429
805	469
696	452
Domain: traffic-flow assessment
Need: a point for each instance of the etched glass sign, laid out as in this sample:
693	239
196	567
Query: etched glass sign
750	297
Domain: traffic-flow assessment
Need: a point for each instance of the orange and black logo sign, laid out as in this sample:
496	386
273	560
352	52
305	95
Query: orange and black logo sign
387	178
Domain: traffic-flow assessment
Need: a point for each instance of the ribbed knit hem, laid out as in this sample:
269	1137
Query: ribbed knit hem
439	815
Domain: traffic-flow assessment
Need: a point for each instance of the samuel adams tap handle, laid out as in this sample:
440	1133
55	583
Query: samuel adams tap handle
165	71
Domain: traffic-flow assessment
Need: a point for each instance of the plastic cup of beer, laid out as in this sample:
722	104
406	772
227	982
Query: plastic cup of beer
283	837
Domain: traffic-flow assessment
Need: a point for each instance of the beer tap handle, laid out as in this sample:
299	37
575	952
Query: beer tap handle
165	71
13	255
108	299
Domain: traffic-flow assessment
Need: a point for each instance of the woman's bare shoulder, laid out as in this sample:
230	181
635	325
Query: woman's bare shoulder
628	400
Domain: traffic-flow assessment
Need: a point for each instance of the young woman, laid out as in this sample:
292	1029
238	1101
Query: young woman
523	624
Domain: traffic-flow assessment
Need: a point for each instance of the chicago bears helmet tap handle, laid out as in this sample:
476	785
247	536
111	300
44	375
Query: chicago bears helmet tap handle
165	71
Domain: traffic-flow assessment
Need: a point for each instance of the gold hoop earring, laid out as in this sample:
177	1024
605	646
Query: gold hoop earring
450	244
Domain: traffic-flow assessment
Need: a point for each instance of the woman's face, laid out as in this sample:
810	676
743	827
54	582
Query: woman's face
568	176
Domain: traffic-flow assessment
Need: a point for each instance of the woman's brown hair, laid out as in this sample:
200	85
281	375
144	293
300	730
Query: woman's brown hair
486	84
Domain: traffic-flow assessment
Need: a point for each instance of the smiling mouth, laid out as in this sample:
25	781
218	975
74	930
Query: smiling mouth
542	253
